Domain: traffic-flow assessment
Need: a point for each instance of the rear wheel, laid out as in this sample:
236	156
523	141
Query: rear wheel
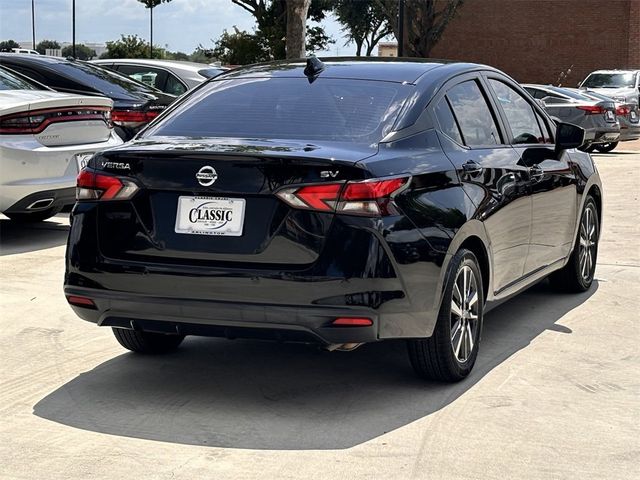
450	353
606	147
577	274
147	342
34	216
588	148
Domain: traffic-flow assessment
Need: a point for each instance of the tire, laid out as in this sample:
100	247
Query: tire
147	342
34	216
606	147
445	356
577	275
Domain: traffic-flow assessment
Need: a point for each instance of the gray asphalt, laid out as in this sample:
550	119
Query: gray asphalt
555	392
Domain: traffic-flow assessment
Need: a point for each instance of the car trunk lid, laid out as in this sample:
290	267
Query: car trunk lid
204	181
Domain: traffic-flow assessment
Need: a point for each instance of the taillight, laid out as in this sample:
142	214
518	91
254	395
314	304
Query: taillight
623	110
91	185
36	121
592	109
132	118
365	197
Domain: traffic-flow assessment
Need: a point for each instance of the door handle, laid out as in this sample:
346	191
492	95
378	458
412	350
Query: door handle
471	167
535	172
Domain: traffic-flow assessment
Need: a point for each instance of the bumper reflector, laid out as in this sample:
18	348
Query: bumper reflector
80	301
352	322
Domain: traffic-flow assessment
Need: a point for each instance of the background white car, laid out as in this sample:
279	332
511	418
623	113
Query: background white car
44	138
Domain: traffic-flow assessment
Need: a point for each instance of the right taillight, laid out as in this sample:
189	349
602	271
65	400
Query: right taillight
92	185
592	109
623	110
132	118
364	197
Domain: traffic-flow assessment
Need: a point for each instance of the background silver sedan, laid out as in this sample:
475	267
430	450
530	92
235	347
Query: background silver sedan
170	76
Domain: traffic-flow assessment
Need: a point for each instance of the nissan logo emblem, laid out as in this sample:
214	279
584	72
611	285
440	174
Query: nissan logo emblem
206	176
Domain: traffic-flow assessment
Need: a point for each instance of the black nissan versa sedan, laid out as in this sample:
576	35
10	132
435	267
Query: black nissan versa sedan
338	202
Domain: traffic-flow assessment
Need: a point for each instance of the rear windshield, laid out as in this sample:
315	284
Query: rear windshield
568	93
610	80
103	80
288	108
9	81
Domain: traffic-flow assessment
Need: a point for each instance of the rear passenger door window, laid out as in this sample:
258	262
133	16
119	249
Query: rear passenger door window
519	113
474	117
153	77
447	121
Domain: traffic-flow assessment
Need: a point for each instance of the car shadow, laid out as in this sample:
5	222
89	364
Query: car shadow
258	395
29	237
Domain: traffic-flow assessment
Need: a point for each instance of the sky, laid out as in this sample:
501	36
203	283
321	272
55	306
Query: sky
180	25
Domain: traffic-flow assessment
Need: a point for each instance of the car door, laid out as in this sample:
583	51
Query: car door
473	139
552	181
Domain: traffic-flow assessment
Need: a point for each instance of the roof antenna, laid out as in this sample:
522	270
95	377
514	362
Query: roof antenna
314	68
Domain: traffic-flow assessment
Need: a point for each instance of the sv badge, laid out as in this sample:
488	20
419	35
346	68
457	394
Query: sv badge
329	173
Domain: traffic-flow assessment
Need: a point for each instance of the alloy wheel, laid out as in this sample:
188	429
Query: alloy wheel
464	314
588	243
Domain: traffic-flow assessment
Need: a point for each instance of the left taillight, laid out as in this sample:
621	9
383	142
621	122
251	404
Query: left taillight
36	121
623	110
92	185
371	197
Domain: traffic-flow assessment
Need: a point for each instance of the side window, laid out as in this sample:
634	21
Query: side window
30	73
473	114
174	86
153	77
447	121
519	113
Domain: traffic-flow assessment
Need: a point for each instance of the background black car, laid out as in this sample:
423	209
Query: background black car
134	104
342	202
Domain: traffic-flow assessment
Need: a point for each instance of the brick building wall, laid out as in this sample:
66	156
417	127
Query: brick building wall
536	40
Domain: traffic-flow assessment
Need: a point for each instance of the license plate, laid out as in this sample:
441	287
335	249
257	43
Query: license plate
633	116
609	116
82	159
210	216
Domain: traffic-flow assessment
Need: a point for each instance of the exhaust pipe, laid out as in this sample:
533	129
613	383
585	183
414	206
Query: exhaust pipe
39	204
342	347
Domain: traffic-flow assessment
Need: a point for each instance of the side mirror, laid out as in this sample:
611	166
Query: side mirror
569	136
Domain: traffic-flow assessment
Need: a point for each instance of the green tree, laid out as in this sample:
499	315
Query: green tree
424	22
130	46
271	22
82	52
240	48
364	23
42	47
7	45
151	4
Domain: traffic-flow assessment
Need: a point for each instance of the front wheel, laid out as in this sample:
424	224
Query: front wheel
450	353
577	274
147	342
606	147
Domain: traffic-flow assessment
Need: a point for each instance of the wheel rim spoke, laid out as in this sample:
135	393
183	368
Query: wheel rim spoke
456	329
456	309
465	308
470	335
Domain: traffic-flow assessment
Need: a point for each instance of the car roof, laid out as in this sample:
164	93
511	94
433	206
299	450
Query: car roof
160	63
389	69
617	71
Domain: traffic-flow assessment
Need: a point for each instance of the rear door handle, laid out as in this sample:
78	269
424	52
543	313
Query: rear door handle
471	167
535	172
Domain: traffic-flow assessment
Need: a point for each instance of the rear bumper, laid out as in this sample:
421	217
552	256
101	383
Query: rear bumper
225	319
629	132
44	200
603	134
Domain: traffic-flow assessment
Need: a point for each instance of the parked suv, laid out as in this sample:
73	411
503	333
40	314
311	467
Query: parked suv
621	85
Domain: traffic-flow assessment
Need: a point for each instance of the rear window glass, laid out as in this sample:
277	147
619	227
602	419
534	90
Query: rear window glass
473	114
13	82
288	108
101	79
447	121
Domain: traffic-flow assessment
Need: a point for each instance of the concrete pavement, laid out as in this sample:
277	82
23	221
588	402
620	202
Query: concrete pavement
555	392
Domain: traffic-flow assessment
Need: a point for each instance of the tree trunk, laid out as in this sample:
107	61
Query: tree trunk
297	27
